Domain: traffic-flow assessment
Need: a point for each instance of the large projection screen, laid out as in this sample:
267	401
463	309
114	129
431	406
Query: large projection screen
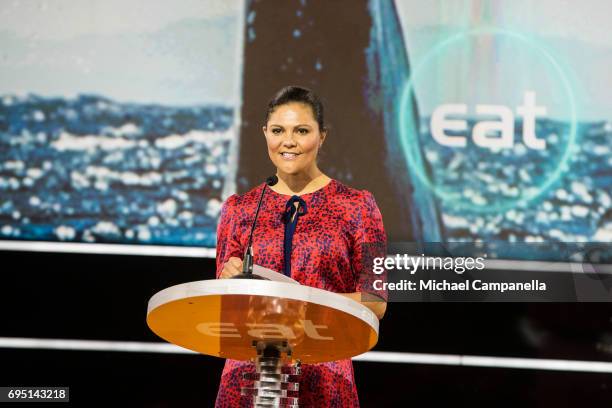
119	123
124	125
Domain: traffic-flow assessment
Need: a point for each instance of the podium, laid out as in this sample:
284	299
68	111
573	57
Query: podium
277	325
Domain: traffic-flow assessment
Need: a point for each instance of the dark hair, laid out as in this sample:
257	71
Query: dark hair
298	94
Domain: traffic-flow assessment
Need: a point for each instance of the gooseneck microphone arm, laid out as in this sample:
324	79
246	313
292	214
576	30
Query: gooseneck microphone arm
247	262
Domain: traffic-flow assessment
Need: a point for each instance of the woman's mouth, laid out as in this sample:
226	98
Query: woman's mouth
289	156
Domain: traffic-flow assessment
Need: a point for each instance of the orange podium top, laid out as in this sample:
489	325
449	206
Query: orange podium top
226	317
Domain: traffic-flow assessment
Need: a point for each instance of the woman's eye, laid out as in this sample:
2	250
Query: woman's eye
276	131
302	131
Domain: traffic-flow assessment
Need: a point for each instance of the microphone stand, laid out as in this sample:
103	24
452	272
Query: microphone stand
247	262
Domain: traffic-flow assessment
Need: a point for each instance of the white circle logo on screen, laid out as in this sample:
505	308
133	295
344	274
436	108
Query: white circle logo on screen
487	120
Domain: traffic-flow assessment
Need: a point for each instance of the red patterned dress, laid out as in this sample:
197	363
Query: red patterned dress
333	233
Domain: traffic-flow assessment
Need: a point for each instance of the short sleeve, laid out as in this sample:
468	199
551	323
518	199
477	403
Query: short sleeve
370	243
227	243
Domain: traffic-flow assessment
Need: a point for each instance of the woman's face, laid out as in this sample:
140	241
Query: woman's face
293	138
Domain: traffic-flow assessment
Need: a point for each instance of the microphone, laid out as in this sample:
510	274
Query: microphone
247	262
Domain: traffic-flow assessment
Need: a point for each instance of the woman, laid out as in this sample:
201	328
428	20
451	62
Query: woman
310	227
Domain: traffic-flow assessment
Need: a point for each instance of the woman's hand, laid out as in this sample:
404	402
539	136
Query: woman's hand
232	267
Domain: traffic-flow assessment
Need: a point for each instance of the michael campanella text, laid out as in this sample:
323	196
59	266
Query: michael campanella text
444	285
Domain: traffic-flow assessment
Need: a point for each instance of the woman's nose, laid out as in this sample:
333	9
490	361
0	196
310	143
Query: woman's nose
289	141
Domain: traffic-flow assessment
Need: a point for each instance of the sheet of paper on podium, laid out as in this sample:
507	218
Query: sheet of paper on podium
272	275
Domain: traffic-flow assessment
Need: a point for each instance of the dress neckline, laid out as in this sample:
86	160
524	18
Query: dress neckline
326	186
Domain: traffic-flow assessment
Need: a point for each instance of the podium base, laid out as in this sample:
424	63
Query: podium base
274	384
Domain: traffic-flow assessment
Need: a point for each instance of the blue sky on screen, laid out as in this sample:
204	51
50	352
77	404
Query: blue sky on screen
131	51
576	34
